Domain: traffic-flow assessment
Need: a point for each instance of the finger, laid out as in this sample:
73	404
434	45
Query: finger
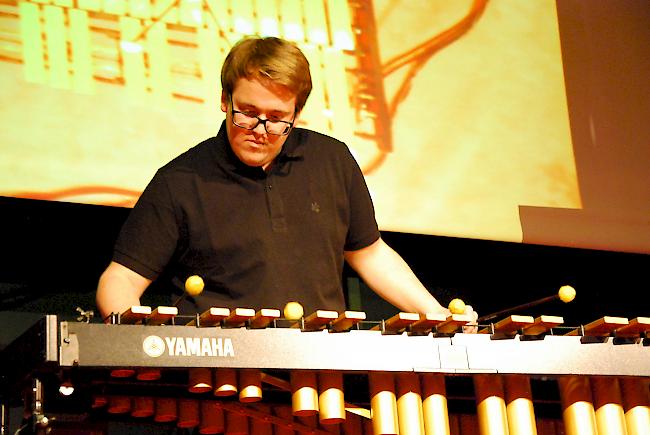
471	328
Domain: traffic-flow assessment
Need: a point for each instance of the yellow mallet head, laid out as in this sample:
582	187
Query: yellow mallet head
194	285
293	311
566	293
457	306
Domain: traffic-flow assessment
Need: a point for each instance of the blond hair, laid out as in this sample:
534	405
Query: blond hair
269	58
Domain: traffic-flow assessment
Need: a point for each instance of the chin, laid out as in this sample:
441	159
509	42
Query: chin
253	162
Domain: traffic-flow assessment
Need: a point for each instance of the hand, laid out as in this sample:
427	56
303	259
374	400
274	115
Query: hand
472	327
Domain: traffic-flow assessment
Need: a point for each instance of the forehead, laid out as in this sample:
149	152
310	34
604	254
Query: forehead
263	94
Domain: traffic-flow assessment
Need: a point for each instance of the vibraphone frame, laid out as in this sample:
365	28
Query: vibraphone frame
51	346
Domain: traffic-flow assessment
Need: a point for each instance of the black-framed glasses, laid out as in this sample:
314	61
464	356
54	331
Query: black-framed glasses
250	122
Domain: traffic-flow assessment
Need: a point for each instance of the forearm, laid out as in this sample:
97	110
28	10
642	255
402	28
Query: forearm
119	288
114	296
388	275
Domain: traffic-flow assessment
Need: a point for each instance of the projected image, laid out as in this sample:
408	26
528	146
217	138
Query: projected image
480	120
455	111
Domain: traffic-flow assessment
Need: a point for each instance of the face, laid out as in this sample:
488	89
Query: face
268	101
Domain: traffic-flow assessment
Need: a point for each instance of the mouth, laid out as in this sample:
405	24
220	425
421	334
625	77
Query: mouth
254	146
256	143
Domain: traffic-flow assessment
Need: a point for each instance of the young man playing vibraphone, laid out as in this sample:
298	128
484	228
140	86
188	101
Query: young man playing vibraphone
265	212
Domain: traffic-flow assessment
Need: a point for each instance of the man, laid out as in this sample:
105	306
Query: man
264	212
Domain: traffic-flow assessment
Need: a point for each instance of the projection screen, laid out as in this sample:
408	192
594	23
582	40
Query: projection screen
457	112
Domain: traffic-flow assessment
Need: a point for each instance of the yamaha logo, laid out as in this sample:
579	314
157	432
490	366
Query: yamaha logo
155	346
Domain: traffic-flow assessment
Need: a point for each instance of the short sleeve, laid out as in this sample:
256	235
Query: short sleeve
149	236
363	229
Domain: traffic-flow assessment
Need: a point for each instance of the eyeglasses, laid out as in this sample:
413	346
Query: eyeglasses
250	122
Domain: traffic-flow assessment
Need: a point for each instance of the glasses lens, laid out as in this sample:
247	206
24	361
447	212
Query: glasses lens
276	127
251	122
244	121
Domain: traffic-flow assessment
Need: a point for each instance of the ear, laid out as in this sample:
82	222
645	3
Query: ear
224	102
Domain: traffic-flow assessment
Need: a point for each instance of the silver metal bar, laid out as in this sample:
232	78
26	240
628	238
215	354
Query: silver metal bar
100	345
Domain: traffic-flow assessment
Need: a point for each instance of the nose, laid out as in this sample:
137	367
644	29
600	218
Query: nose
260	128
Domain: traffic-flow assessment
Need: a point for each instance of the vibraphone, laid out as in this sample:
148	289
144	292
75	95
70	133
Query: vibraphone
236	372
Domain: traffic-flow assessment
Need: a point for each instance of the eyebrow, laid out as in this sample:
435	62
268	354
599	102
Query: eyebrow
279	113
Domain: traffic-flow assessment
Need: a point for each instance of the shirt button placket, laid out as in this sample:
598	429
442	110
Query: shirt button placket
276	207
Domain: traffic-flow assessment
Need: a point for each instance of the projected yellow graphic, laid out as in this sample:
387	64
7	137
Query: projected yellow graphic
455	110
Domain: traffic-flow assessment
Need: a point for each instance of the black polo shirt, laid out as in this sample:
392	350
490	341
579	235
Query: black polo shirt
257	239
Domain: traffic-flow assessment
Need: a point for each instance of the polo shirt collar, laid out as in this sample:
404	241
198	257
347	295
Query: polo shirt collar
226	158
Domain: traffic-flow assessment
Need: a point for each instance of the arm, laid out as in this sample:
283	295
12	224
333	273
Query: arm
390	277
119	288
